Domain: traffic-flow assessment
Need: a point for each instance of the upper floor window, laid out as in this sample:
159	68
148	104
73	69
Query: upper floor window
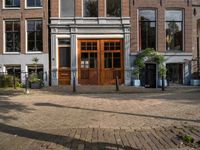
90	8
67	8
113	8
34	34
12	36
174	29
34	3
147	24
12	3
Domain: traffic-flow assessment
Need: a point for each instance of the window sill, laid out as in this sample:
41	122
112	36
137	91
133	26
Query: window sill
33	7
11	53
14	8
36	52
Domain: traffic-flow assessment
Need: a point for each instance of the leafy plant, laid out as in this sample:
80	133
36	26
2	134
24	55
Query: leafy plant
162	70
34	78
188	139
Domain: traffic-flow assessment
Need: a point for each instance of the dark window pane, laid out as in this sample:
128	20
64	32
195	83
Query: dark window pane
113	8
93	60
9	25
108	60
34	3
65	57
64	41
31	45
116	60
90	8
84	60
12	3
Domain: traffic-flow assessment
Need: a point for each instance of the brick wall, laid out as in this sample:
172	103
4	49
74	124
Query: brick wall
23	14
161	6
78	6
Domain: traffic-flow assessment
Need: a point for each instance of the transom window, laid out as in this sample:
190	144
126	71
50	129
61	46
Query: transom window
34	3
12	3
12	36
174	29
34	32
147	24
90	8
113	8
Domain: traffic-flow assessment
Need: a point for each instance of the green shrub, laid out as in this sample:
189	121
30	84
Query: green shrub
7	81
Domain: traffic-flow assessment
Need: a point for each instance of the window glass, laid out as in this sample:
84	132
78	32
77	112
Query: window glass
12	34
36	69
65	57
67	8
174	30
147	29
12	3
35	36
34	3
90	8
113	8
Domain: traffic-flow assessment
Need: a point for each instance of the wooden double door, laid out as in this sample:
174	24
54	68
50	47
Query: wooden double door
100	62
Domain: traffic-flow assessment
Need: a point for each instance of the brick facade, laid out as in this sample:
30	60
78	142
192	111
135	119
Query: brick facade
23	14
161	6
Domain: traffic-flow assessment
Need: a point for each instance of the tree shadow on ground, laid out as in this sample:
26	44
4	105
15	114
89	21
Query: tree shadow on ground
115	112
65	141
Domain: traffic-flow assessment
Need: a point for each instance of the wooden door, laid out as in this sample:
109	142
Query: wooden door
100	62
150	79
88	72
112	65
64	71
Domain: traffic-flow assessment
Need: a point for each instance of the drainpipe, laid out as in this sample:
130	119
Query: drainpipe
49	39
198	63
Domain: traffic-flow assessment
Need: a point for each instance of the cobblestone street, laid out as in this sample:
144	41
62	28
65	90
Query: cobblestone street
99	118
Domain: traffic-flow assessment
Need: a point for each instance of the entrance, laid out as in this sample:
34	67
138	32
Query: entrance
150	76
100	62
175	73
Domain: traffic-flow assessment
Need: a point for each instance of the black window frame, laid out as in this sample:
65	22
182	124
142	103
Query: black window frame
91	15
13	5
182	29
35	4
148	23
13	34
111	15
35	31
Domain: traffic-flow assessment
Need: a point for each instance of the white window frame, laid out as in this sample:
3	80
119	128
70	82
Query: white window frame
4	37
26	37
27	7
10	8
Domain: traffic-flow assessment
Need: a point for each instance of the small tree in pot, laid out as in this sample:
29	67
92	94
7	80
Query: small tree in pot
162	73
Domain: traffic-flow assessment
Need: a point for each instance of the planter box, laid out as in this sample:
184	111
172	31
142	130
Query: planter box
195	82
136	83
160	83
36	85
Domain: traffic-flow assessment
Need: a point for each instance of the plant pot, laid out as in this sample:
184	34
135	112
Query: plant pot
195	82
136	82
160	83
35	85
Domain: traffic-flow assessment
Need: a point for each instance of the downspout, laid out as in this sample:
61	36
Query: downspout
49	39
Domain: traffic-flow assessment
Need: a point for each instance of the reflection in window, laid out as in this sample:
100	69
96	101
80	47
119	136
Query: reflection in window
174	30
12	34
113	8
12	3
90	8
35	35
147	29
34	3
67	8
65	57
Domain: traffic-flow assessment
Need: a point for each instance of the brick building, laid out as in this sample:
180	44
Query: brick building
24	36
90	39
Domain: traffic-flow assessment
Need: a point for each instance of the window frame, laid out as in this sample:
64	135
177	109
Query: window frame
105	2
32	7
156	28
26	29
12	7
4	36
182	26
84	9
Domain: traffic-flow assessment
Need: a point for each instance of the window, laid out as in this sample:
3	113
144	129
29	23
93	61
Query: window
67	8
36	69
147	25
14	70
174	30
113	8
65	57
34	3
12	36
90	8
12	3
34	34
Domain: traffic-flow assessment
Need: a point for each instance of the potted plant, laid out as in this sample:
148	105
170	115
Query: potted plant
35	81
136	80
162	73
195	80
